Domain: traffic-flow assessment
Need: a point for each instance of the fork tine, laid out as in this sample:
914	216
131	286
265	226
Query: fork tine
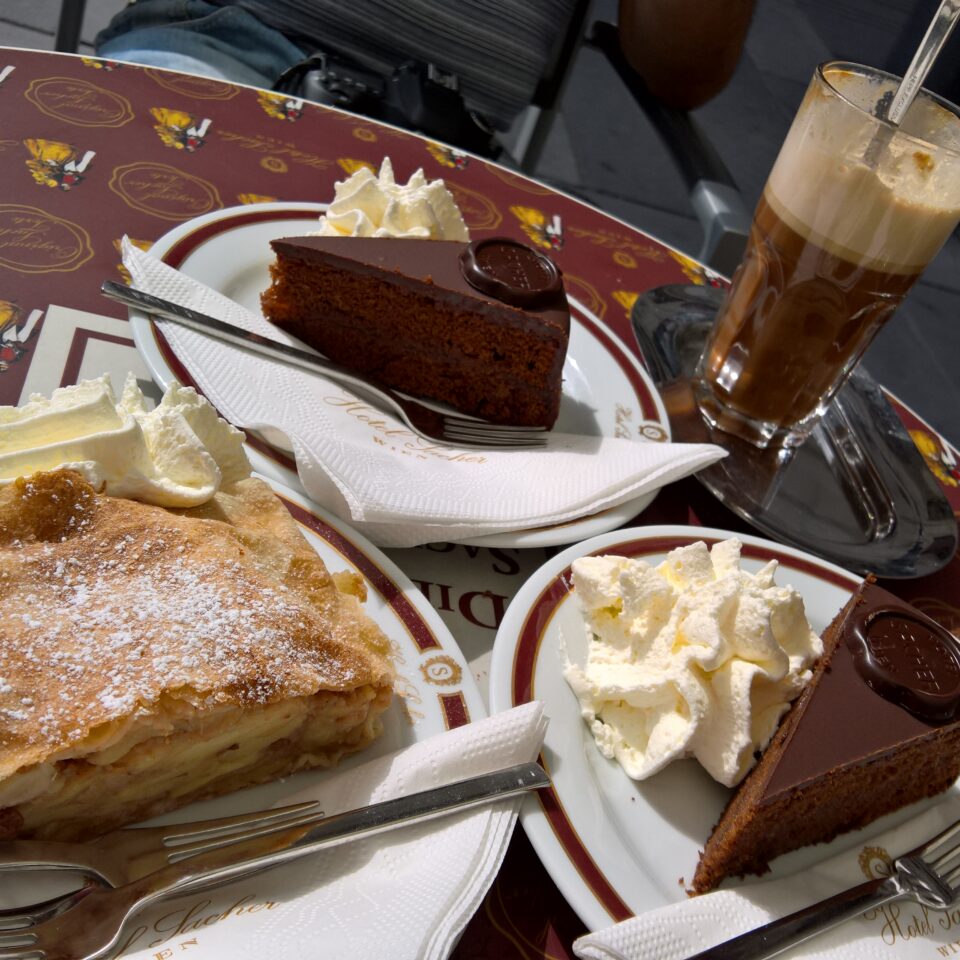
21	954
496	436
934	848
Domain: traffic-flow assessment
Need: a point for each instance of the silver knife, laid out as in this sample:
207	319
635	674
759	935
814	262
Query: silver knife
96	918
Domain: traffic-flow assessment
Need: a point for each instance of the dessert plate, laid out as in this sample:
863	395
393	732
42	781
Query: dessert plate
436	692
606	391
616	847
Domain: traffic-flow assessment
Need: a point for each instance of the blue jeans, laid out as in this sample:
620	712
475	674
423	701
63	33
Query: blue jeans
225	43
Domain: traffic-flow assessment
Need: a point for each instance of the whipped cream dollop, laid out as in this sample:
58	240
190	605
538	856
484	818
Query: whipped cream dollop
692	658
371	205
176	455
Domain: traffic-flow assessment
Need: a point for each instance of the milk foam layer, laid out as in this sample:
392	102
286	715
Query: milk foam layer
368	205
694	657
177	455
887	205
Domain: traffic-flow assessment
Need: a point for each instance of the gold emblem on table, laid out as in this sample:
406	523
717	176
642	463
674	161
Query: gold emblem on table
164	191
16	328
79	102
107	66
479	212
56	164
442	671
624	259
365	134
350	167
626	299
448	156
199	88
695	271
34	241
180	130
280	106
940	460
541	229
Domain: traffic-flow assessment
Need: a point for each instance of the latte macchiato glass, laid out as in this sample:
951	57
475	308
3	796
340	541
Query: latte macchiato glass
853	211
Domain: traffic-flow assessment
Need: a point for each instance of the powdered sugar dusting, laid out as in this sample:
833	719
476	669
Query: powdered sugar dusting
129	608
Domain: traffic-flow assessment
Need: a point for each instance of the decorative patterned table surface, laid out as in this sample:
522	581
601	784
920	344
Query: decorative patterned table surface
91	150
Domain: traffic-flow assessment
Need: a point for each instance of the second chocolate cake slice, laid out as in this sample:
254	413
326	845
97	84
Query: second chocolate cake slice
877	728
482	327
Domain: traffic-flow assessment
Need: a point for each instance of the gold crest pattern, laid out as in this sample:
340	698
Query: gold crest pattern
542	230
79	103
16	328
942	463
191	85
350	167
695	271
448	156
443	671
478	211
626	299
280	106
180	130
55	164
255	198
164	191
34	241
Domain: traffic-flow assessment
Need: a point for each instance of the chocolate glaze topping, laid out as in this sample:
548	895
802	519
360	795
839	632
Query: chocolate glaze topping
510	271
857	711
907	658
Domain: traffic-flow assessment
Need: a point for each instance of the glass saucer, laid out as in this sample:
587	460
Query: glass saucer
857	492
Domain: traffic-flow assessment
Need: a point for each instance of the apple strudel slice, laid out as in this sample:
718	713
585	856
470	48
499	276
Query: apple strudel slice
152	657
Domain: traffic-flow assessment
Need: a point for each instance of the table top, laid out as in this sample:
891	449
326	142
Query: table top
91	150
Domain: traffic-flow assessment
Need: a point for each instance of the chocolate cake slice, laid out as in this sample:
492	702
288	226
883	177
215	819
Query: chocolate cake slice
482	327
877	728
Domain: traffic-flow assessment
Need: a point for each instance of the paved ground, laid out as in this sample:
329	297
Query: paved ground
612	155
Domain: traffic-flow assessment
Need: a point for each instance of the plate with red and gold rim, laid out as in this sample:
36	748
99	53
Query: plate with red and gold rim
614	846
606	391
435	687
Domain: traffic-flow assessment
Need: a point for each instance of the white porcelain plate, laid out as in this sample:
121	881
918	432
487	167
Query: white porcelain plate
606	391
616	847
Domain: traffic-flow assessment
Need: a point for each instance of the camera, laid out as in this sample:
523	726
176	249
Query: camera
417	96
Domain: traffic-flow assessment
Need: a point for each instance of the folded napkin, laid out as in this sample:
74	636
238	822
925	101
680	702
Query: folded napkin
403	895
902	930
366	467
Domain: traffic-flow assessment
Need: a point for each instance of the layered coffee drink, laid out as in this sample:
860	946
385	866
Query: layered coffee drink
852	213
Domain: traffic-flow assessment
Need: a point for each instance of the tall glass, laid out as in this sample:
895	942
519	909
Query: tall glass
853	211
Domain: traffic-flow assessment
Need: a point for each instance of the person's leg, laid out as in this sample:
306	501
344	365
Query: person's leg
194	36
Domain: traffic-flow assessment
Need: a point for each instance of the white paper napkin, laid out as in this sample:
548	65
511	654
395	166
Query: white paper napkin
403	895
902	930
366	467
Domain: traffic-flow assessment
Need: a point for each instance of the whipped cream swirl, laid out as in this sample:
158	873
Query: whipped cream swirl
691	658
370	205
176	455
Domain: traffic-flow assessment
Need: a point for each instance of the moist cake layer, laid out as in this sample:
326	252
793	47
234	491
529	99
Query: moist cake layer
403	312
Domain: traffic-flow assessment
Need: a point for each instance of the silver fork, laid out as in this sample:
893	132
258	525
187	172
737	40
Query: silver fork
929	874
122	856
431	421
93	924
